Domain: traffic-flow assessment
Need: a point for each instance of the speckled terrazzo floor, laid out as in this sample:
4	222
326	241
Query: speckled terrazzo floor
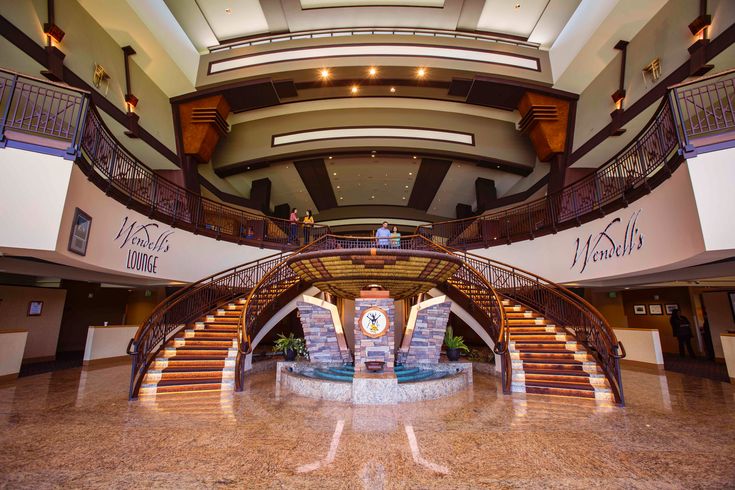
76	429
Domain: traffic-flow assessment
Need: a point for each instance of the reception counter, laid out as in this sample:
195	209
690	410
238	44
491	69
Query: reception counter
107	344
12	346
642	346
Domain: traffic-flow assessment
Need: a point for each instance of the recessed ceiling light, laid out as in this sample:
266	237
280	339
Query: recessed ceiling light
410	173
324	73
335	173
228	11
337	187
414	157
372	197
341	198
373	155
354	89
406	187
517	6
393	90
372	71
421	72
404	198
330	157
498	166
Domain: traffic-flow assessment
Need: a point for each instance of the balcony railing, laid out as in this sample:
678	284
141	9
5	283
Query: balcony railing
53	118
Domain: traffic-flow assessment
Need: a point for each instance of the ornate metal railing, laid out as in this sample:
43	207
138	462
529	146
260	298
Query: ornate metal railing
562	307
706	110
630	170
120	174
35	110
186	306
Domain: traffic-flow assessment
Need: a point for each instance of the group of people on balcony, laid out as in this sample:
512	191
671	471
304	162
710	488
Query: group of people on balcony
293	226
387	238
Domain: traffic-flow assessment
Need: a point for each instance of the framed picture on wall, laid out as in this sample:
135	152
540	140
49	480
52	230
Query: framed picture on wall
79	235
35	308
670	308
655	310
639	309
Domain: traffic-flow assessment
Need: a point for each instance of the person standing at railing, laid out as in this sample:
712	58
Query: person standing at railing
293	226
383	235
395	238
308	224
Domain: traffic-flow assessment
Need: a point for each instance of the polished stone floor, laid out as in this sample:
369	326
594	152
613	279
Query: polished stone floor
76	429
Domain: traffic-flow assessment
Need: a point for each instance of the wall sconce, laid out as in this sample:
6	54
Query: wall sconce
652	71
131	101
699	24
53	32
100	75
618	97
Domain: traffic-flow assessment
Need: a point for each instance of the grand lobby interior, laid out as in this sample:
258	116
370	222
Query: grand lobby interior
367	244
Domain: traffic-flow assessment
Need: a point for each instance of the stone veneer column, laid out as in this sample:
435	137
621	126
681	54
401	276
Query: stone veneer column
380	348
428	335
319	333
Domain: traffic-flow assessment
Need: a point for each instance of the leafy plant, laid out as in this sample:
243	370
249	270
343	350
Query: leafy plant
296	344
454	341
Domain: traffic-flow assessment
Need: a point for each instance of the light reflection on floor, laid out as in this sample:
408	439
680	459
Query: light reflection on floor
75	428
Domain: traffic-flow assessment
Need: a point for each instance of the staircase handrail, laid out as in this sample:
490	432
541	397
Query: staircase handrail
188	304
119	173
597	333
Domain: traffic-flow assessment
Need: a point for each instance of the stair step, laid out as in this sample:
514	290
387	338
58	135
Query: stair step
200	354
192	387
560	391
187	381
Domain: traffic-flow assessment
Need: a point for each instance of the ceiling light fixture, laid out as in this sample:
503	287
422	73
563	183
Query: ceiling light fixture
330	157
421	72
517	6
372	71
335	173
410	173
414	157
228	11
324	73
354	89
393	90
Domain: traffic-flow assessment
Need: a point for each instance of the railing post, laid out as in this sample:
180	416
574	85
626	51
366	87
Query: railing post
6	112
74	149
681	134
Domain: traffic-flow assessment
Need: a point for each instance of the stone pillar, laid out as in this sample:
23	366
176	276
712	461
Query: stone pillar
320	332
428	335
377	348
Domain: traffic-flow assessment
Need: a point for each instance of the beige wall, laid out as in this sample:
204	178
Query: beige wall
85	44
720	316
140	306
43	330
613	309
666	37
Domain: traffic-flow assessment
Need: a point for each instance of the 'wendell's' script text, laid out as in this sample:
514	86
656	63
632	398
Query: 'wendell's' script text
144	243
608	244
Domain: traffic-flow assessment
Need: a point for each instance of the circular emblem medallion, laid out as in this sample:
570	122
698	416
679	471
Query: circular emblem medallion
374	322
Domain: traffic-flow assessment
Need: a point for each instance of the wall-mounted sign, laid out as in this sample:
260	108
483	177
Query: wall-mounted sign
614	241
374	322
145	243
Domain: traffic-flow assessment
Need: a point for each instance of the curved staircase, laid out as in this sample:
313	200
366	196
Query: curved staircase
548	360
200	358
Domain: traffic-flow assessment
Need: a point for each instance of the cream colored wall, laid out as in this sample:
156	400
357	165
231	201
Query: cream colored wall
611	308
85	44
666	37
43	330
720	317
493	138
12	345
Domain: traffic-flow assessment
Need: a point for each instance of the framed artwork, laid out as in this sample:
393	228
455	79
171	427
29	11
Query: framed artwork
655	310
79	235
639	309
670	308
35	308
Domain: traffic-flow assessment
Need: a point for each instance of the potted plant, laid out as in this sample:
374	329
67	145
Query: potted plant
290	346
455	344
